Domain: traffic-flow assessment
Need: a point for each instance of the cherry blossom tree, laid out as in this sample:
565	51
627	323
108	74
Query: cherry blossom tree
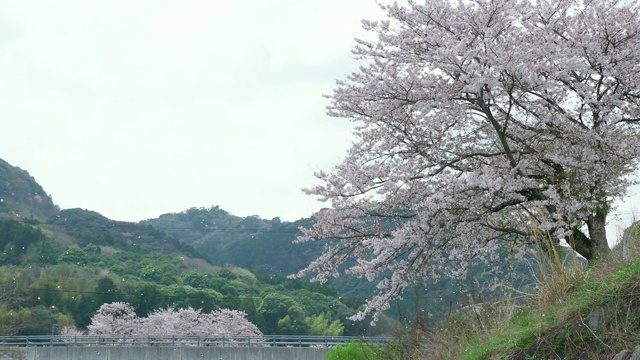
233	322
120	318
478	121
169	321
192	321
114	318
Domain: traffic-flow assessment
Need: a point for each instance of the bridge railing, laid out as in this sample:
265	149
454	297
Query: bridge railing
186	340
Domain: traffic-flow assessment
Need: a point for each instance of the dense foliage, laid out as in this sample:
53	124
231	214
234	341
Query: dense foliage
58	272
265	246
89	227
20	241
71	292
53	279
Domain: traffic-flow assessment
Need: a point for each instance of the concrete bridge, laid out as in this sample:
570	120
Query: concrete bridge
166	353
171	347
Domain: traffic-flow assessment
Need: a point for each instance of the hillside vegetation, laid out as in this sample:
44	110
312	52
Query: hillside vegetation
265	246
574	313
54	274
58	267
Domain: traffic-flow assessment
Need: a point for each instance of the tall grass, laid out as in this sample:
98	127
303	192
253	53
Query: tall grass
573	311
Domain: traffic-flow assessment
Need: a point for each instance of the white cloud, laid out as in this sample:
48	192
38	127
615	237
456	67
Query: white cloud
136	108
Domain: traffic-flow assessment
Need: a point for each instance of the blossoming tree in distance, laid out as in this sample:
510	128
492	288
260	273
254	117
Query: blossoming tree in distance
120	318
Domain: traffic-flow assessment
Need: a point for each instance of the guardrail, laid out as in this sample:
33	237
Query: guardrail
186	340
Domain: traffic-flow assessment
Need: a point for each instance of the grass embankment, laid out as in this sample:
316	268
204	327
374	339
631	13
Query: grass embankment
575	313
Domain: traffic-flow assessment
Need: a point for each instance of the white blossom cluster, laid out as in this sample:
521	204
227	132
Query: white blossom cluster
119	318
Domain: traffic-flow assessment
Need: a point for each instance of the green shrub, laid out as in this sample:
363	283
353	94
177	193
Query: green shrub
351	351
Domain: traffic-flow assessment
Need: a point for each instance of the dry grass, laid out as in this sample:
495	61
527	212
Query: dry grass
57	235
465	326
108	250
558	273
554	323
198	264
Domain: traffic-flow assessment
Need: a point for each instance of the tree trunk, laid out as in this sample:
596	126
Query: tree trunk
581	243
598	233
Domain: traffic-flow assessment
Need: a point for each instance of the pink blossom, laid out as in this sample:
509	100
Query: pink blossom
120	318
476	121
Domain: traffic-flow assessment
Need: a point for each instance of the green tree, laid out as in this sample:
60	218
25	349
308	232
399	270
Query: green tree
223	286
195	279
248	305
92	250
322	325
38	320
293	323
275	307
42	252
15	239
286	326
106	291
160	272
181	297
74	255
145	298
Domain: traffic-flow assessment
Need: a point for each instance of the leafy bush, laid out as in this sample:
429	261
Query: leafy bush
15	239
351	351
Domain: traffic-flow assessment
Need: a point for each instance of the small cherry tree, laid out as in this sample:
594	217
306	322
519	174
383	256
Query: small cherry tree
191	321
120	318
114	318
233	322
479	120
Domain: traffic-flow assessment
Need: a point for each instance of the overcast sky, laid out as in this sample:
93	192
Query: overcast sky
137	108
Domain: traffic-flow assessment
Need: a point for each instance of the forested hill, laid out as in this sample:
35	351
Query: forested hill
89	227
20	194
58	267
265	246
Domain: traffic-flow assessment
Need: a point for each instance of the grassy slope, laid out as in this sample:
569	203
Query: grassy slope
575	314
